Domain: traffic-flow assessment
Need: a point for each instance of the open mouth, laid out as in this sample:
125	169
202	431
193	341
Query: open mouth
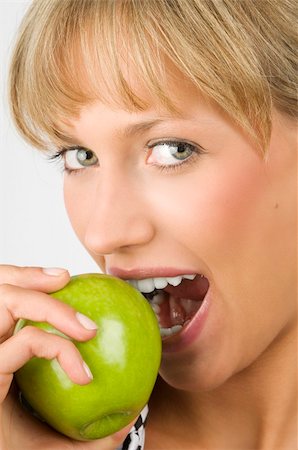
175	300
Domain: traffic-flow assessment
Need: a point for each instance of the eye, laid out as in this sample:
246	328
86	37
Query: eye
170	153
78	158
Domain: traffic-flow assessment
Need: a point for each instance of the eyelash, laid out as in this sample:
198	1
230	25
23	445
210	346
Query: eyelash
58	159
196	149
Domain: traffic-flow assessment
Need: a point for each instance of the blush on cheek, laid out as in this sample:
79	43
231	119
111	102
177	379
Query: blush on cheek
232	201
218	205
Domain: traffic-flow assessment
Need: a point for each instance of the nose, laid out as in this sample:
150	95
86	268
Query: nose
119	218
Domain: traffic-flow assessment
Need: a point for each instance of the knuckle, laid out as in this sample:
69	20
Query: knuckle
30	333
10	273
8	297
32	340
55	306
67	345
25	276
22	271
6	289
67	351
18	275
33	335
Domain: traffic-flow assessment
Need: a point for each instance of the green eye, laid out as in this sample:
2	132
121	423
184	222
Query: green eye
79	158
181	151
86	157
170	153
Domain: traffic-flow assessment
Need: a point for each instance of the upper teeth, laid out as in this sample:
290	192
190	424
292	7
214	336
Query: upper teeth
148	285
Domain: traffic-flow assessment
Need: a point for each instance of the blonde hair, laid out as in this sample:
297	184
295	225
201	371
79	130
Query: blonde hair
240	53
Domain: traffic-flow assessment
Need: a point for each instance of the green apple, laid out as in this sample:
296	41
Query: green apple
124	358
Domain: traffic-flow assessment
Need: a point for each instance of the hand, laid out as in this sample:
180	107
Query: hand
23	294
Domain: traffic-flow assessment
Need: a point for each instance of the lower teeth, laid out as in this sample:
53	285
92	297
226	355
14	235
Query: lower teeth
156	308
170	331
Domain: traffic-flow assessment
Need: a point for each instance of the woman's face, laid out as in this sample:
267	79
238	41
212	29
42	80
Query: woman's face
162	195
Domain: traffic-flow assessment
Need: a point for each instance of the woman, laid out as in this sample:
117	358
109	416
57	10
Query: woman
175	123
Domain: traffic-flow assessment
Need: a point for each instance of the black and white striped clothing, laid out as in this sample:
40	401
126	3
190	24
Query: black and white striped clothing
136	438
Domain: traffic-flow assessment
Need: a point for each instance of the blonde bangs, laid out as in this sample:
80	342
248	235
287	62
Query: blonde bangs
70	53
76	59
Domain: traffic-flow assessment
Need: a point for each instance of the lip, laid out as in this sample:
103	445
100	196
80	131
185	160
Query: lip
154	272
191	332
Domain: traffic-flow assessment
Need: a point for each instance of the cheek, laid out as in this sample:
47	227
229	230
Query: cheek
212	209
79	210
74	200
229	211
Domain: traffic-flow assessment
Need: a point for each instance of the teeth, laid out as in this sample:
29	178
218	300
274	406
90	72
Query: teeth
170	331
158	299
148	285
133	283
190	277
156	308
174	281
160	283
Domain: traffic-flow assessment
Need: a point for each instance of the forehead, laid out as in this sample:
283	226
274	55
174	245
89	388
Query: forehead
176	96
101	120
135	96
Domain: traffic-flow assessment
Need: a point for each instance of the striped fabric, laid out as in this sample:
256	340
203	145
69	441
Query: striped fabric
136	438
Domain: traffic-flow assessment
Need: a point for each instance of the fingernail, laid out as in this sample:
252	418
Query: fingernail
87	370
53	271
86	322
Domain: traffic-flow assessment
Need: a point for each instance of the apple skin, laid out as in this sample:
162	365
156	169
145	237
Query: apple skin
124	358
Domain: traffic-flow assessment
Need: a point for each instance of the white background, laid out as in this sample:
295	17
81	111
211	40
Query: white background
34	228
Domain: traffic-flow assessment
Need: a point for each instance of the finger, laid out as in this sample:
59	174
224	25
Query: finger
32	341
16	303
38	278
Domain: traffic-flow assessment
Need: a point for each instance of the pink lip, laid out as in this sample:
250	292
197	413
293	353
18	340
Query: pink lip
190	332
154	272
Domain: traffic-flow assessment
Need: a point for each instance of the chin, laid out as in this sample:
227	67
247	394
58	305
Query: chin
194	376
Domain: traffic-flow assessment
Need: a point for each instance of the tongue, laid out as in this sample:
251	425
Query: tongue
176	311
191	289
182	301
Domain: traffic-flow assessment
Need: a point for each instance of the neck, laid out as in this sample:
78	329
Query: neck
256	408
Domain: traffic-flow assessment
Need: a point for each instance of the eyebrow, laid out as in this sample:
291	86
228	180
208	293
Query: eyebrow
140	127
130	130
